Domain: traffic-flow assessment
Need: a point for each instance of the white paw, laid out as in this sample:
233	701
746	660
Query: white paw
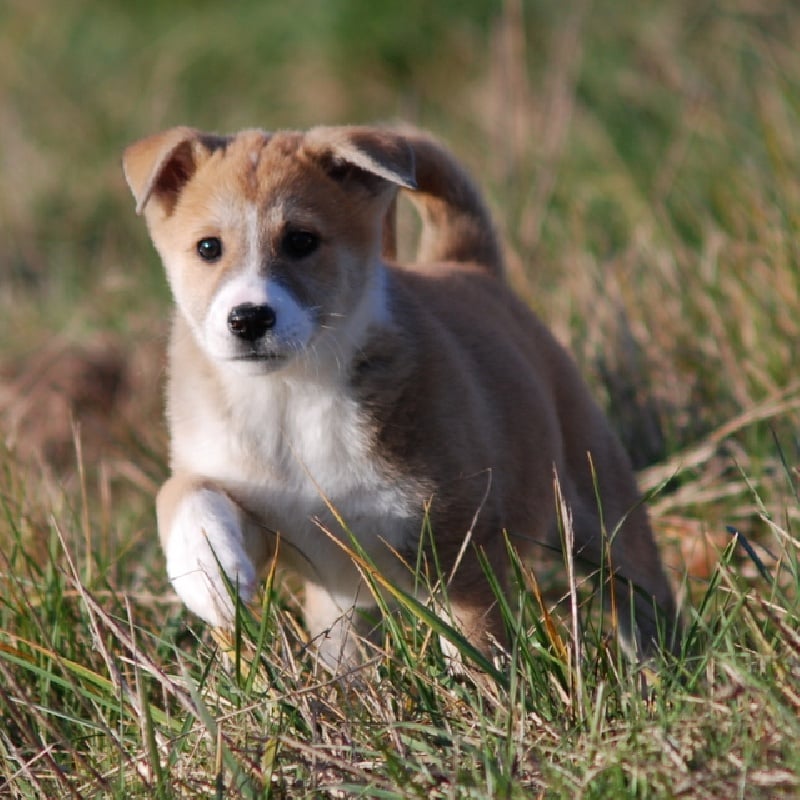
206	534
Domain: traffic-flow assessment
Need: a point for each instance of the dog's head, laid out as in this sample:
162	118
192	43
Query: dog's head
271	242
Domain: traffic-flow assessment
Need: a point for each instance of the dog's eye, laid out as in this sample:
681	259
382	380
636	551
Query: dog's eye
210	248
299	244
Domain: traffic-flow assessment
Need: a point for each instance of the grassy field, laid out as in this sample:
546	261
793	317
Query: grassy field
642	160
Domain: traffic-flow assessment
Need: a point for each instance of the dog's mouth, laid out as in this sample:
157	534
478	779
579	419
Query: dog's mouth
258	356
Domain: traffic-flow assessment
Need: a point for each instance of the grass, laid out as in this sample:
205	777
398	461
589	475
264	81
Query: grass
642	161
112	691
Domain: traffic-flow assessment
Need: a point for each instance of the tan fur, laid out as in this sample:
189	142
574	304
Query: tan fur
408	386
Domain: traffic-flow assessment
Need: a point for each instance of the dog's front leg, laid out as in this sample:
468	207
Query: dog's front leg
339	629
201	530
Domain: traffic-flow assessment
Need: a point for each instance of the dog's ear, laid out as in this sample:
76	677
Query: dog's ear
162	164
371	156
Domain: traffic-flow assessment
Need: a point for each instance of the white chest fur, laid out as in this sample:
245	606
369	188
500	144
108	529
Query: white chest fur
289	448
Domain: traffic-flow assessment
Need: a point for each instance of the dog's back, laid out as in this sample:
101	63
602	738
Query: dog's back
459	293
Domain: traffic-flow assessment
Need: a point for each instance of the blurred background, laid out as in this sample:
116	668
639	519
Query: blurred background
641	159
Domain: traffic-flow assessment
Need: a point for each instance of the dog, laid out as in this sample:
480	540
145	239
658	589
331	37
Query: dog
318	389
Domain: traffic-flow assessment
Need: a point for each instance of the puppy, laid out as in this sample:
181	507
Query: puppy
313	381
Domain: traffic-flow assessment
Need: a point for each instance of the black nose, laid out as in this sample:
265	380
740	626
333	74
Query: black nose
250	322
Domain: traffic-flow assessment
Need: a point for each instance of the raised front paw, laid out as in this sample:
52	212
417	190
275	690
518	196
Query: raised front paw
206	533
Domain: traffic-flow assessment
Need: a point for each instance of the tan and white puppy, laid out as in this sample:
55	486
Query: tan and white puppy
308	372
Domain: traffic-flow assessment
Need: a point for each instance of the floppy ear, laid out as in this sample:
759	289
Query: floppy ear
162	164
364	154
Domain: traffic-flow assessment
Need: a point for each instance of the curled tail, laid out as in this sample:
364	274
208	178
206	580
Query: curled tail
456	225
